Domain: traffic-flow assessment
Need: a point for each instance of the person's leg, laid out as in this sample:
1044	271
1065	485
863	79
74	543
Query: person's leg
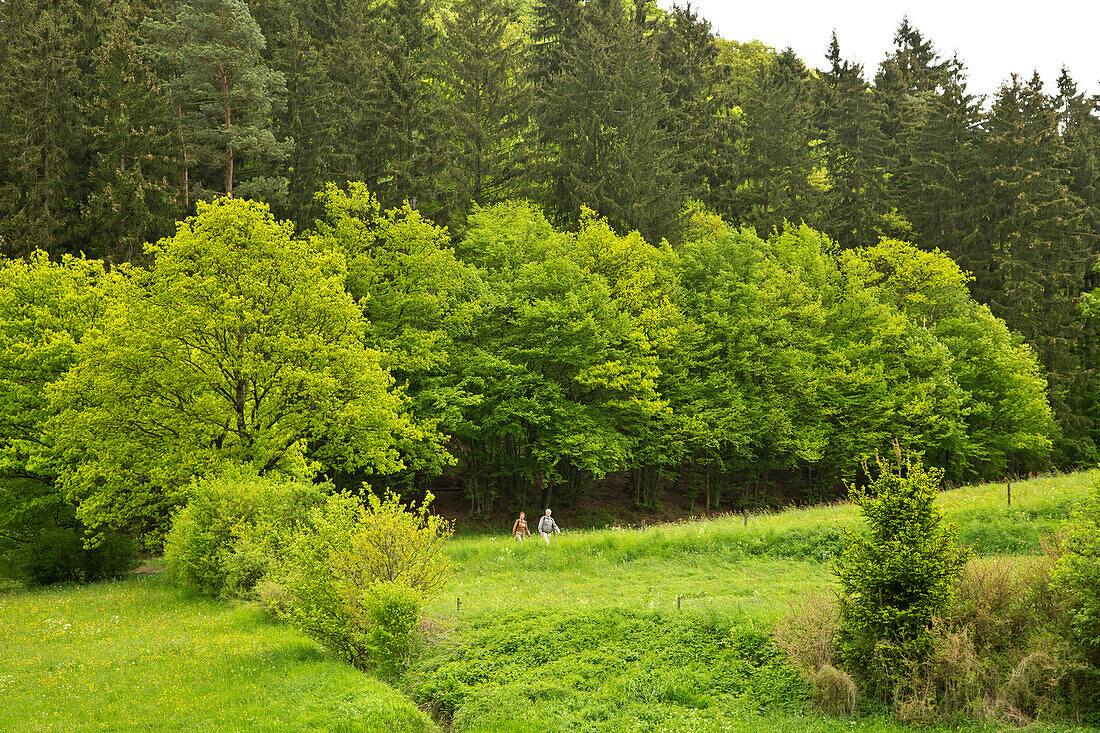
546	536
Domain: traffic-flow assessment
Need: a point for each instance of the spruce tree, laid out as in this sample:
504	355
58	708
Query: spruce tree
43	141
850	120
300	46
940	189
776	158
224	96
689	63
405	160
557	24
1037	233
1079	127
353	57
488	104
606	144
133	176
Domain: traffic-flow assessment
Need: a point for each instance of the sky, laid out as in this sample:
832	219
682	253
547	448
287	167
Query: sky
994	39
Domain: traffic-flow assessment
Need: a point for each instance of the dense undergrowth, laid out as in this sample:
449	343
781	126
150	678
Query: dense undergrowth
609	670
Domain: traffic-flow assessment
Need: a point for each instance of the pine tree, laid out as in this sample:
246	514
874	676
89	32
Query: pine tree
488	103
224	96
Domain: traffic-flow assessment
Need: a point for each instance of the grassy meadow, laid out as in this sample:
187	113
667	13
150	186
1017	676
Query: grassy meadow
752	573
136	655
580	635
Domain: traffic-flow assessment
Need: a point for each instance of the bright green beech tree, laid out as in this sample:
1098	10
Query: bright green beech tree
556	369
1008	420
238	344
415	295
46	309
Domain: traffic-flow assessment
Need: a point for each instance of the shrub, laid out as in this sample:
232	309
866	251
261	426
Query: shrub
896	579
236	528
358	578
1078	573
833	691
808	635
392	615
59	555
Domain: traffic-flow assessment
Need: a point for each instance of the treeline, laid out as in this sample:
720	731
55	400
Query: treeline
527	360
121	114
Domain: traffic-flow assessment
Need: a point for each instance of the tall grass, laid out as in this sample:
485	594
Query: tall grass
136	655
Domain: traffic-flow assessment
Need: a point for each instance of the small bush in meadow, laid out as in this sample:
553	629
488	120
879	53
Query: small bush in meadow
833	691
896	579
359	577
236	528
392	617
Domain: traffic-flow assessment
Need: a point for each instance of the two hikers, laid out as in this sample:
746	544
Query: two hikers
547	526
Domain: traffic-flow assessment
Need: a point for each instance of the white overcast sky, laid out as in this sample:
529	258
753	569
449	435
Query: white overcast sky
994	39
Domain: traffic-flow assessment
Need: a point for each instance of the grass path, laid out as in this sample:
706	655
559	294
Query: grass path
134	655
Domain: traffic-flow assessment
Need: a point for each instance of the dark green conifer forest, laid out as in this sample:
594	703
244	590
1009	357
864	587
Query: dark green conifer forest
559	239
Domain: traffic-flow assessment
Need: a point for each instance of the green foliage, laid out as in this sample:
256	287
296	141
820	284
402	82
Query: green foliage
608	670
58	554
240	344
359	577
46	311
236	528
899	577
392	615
1007	416
1078	573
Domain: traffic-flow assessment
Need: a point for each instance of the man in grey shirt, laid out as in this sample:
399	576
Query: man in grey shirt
547	526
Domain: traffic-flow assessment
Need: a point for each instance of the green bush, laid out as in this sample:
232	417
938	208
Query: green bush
897	579
393	614
1078	573
357	580
59	555
236	528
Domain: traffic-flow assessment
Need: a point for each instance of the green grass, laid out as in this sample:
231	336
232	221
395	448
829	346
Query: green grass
581	635
752	573
136	655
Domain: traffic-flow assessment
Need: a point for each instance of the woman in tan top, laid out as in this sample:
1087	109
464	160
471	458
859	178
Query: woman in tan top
519	529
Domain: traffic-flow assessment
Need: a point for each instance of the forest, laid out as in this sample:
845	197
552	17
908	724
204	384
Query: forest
524	247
